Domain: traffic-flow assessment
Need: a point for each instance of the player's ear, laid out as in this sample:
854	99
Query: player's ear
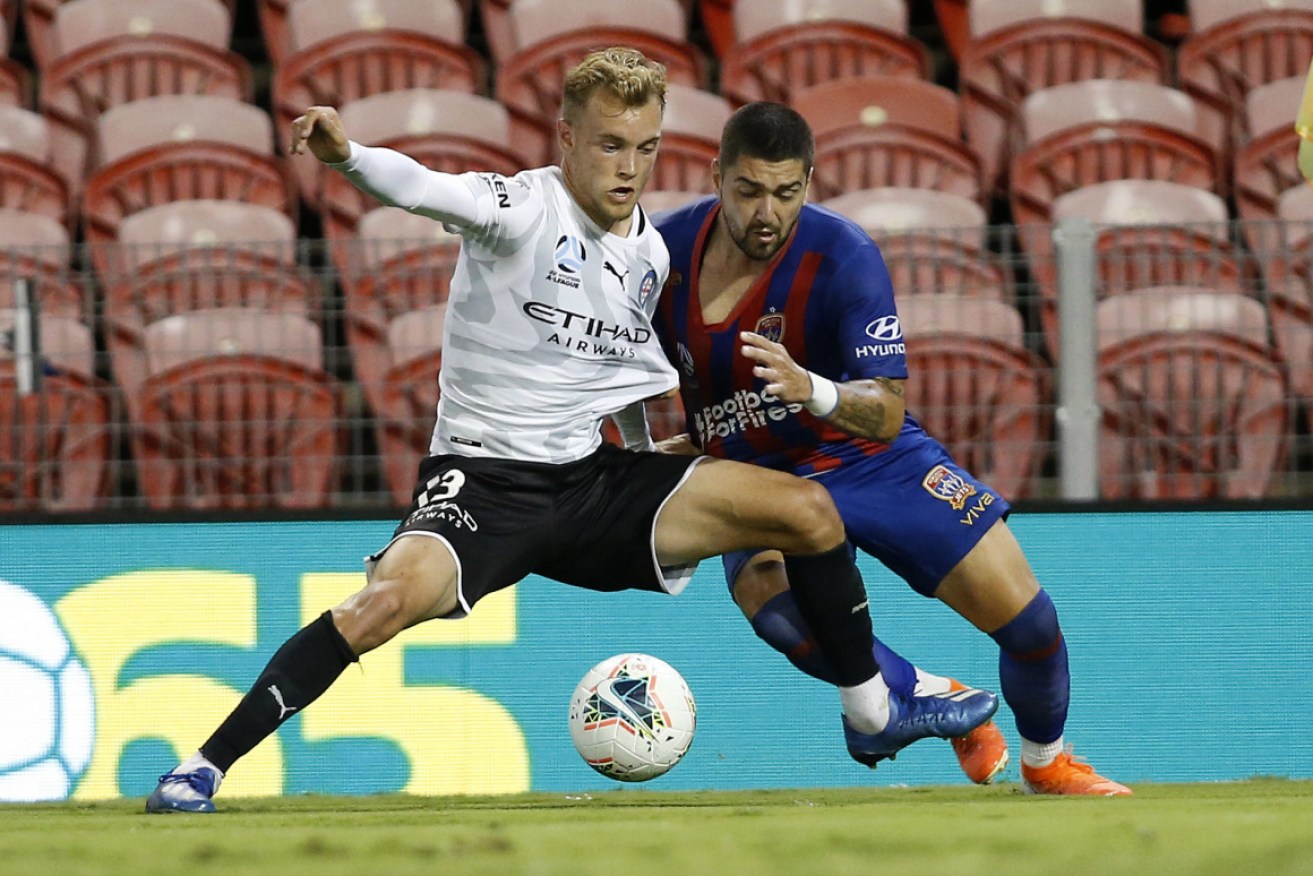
715	174
564	135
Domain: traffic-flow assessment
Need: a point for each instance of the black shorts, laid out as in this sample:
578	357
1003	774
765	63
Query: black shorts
588	523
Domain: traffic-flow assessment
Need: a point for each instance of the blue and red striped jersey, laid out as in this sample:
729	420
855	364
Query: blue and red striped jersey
826	296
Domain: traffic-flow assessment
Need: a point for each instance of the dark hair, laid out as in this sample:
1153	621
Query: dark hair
769	131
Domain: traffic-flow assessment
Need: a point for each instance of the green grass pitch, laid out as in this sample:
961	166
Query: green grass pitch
1261	827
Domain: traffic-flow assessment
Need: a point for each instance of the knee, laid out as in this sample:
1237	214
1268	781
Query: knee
371	617
816	520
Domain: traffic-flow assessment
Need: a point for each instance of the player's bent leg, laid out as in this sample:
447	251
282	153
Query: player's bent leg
414	580
995	589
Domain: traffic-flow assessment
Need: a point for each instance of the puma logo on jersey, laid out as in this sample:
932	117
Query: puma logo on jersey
619	276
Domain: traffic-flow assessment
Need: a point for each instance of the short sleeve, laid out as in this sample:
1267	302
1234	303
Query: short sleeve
869	332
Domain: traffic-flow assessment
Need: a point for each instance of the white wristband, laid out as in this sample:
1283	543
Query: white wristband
825	396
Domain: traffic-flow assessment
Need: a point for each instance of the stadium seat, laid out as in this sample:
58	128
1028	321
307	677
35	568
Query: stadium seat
1147	233
14	81
1089	132
273	25
55	435
343	50
887	131
236	412
409	395
39	22
175	148
690	139
1265	158
1193	403
400	263
1020	46
1236	46
974	386
116	51
450	131
782	47
197	255
36	249
552	37
28	179
932	242
1288	272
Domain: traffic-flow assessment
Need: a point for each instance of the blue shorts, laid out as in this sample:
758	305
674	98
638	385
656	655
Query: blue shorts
911	507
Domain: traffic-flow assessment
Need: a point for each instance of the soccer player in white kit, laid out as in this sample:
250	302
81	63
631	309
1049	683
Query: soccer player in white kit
548	332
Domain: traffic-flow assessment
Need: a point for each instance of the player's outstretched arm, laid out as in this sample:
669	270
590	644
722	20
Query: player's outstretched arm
393	178
866	408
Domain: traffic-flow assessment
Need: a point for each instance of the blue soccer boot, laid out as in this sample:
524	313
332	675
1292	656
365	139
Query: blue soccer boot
185	791
946	715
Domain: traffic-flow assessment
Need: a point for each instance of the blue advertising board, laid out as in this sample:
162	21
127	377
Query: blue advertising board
123	645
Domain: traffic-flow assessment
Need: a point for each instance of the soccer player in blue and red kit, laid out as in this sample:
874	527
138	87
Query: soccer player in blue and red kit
780	318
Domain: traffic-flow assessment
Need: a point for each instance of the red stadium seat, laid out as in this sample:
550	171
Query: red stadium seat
1238	45
974	386
14	83
116	51
1083	133
55	437
782	47
175	148
449	131
552	37
36	249
28	180
887	131
690	139
237	412
409	396
1265	158
39	22
1288	271
932	242
1194	405
344	50
1147	233
401	263
1020	46
197	255
274	27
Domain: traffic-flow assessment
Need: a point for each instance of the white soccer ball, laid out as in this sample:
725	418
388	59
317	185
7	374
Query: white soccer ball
632	717
49	709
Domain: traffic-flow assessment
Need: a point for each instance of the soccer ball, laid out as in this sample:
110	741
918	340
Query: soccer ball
632	717
49	709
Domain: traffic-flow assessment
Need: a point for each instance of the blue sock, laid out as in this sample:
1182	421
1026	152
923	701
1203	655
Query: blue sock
1032	669
780	625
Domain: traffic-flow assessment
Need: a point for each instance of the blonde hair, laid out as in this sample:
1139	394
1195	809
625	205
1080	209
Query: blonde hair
626	73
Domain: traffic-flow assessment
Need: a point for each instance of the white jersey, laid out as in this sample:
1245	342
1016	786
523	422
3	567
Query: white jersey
548	326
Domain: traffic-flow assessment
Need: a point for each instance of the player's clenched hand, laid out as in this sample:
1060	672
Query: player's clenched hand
678	445
785	379
320	129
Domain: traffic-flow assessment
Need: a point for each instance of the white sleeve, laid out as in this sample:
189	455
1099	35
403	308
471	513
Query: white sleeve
484	207
400	181
632	423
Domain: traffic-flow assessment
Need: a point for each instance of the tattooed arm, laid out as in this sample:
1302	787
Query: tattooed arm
871	408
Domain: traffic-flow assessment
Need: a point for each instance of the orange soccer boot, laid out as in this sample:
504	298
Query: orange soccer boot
1067	775
982	753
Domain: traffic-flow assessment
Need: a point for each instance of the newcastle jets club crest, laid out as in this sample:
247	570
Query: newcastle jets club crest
771	327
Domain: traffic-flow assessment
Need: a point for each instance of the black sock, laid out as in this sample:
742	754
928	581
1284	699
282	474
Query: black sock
302	669
832	598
